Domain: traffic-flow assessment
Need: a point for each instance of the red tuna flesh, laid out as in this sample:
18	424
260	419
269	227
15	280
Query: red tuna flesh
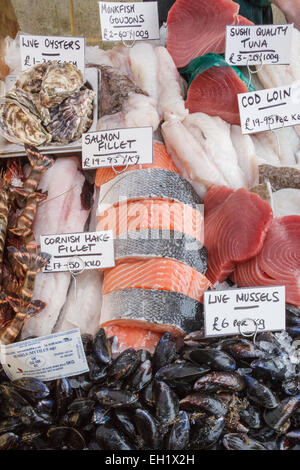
234	230
197	27
214	92
278	263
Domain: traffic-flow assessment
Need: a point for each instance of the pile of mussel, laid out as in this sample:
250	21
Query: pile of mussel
197	393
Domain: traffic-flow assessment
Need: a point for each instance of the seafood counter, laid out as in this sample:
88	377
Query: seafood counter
154	379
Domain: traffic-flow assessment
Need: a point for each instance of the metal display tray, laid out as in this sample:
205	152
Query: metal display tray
10	150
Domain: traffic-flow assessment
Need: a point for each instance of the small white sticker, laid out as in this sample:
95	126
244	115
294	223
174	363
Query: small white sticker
129	21
38	49
234	311
258	45
77	252
270	109
117	147
47	358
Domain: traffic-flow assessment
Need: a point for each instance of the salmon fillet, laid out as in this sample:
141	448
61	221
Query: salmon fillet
161	160
152	214
156	273
141	338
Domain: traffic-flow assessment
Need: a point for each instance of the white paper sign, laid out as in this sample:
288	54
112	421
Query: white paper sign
232	311
258	45
128	21
117	147
47	358
270	109
76	252
38	49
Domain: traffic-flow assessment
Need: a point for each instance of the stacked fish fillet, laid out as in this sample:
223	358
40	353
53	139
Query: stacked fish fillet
159	278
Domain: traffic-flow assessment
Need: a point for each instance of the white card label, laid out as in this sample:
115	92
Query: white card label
130	21
46	358
117	147
232	311
76	252
270	109
258	45
38	49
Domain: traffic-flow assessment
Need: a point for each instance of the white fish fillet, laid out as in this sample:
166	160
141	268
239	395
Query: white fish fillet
60	213
214	135
190	156
170	86
280	147
144	68
83	306
246	155
138	111
286	202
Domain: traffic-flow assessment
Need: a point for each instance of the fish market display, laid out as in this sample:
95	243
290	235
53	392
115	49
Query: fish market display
188	397
48	102
196	28
216	210
161	292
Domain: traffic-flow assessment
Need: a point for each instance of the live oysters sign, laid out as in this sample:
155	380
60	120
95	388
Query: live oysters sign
39	49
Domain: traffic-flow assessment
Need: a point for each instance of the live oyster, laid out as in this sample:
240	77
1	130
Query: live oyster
59	82
31	80
19	125
72	117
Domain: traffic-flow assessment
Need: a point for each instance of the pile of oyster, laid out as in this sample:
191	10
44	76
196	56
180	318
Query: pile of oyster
48	103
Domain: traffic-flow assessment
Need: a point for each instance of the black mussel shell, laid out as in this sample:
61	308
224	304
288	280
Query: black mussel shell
220	381
124	365
148	429
242	349
251	417
65	437
110	438
97	371
180	372
241	442
260	393
279	418
165	351
179	435
102	347
31	388
63	395
206	403
140	378
167	403
100	415
8	441
116	398
216	360
205	431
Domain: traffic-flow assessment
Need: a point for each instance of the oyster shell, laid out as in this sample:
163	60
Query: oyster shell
31	80
19	125
72	117
59	82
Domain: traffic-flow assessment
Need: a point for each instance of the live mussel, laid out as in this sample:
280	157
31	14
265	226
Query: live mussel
200	393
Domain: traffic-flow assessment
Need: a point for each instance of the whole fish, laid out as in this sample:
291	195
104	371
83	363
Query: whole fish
23	311
31	264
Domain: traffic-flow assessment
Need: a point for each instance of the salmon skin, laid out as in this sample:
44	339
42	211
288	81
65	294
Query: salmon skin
159	274
161	159
156	310
149	183
144	244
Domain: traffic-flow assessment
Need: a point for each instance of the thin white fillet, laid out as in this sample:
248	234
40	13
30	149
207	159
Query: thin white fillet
286	202
170	86
143	62
190	156
60	213
280	147
246	155
214	135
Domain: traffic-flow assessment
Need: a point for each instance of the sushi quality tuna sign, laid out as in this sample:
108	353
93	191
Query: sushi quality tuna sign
244	311
258	45
130	21
266	110
76	252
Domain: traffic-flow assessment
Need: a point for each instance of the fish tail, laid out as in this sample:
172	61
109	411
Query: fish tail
36	159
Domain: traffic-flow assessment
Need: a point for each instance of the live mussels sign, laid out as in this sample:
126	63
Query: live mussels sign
244	311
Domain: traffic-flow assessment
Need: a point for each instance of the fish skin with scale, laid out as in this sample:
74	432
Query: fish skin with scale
144	244
149	183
